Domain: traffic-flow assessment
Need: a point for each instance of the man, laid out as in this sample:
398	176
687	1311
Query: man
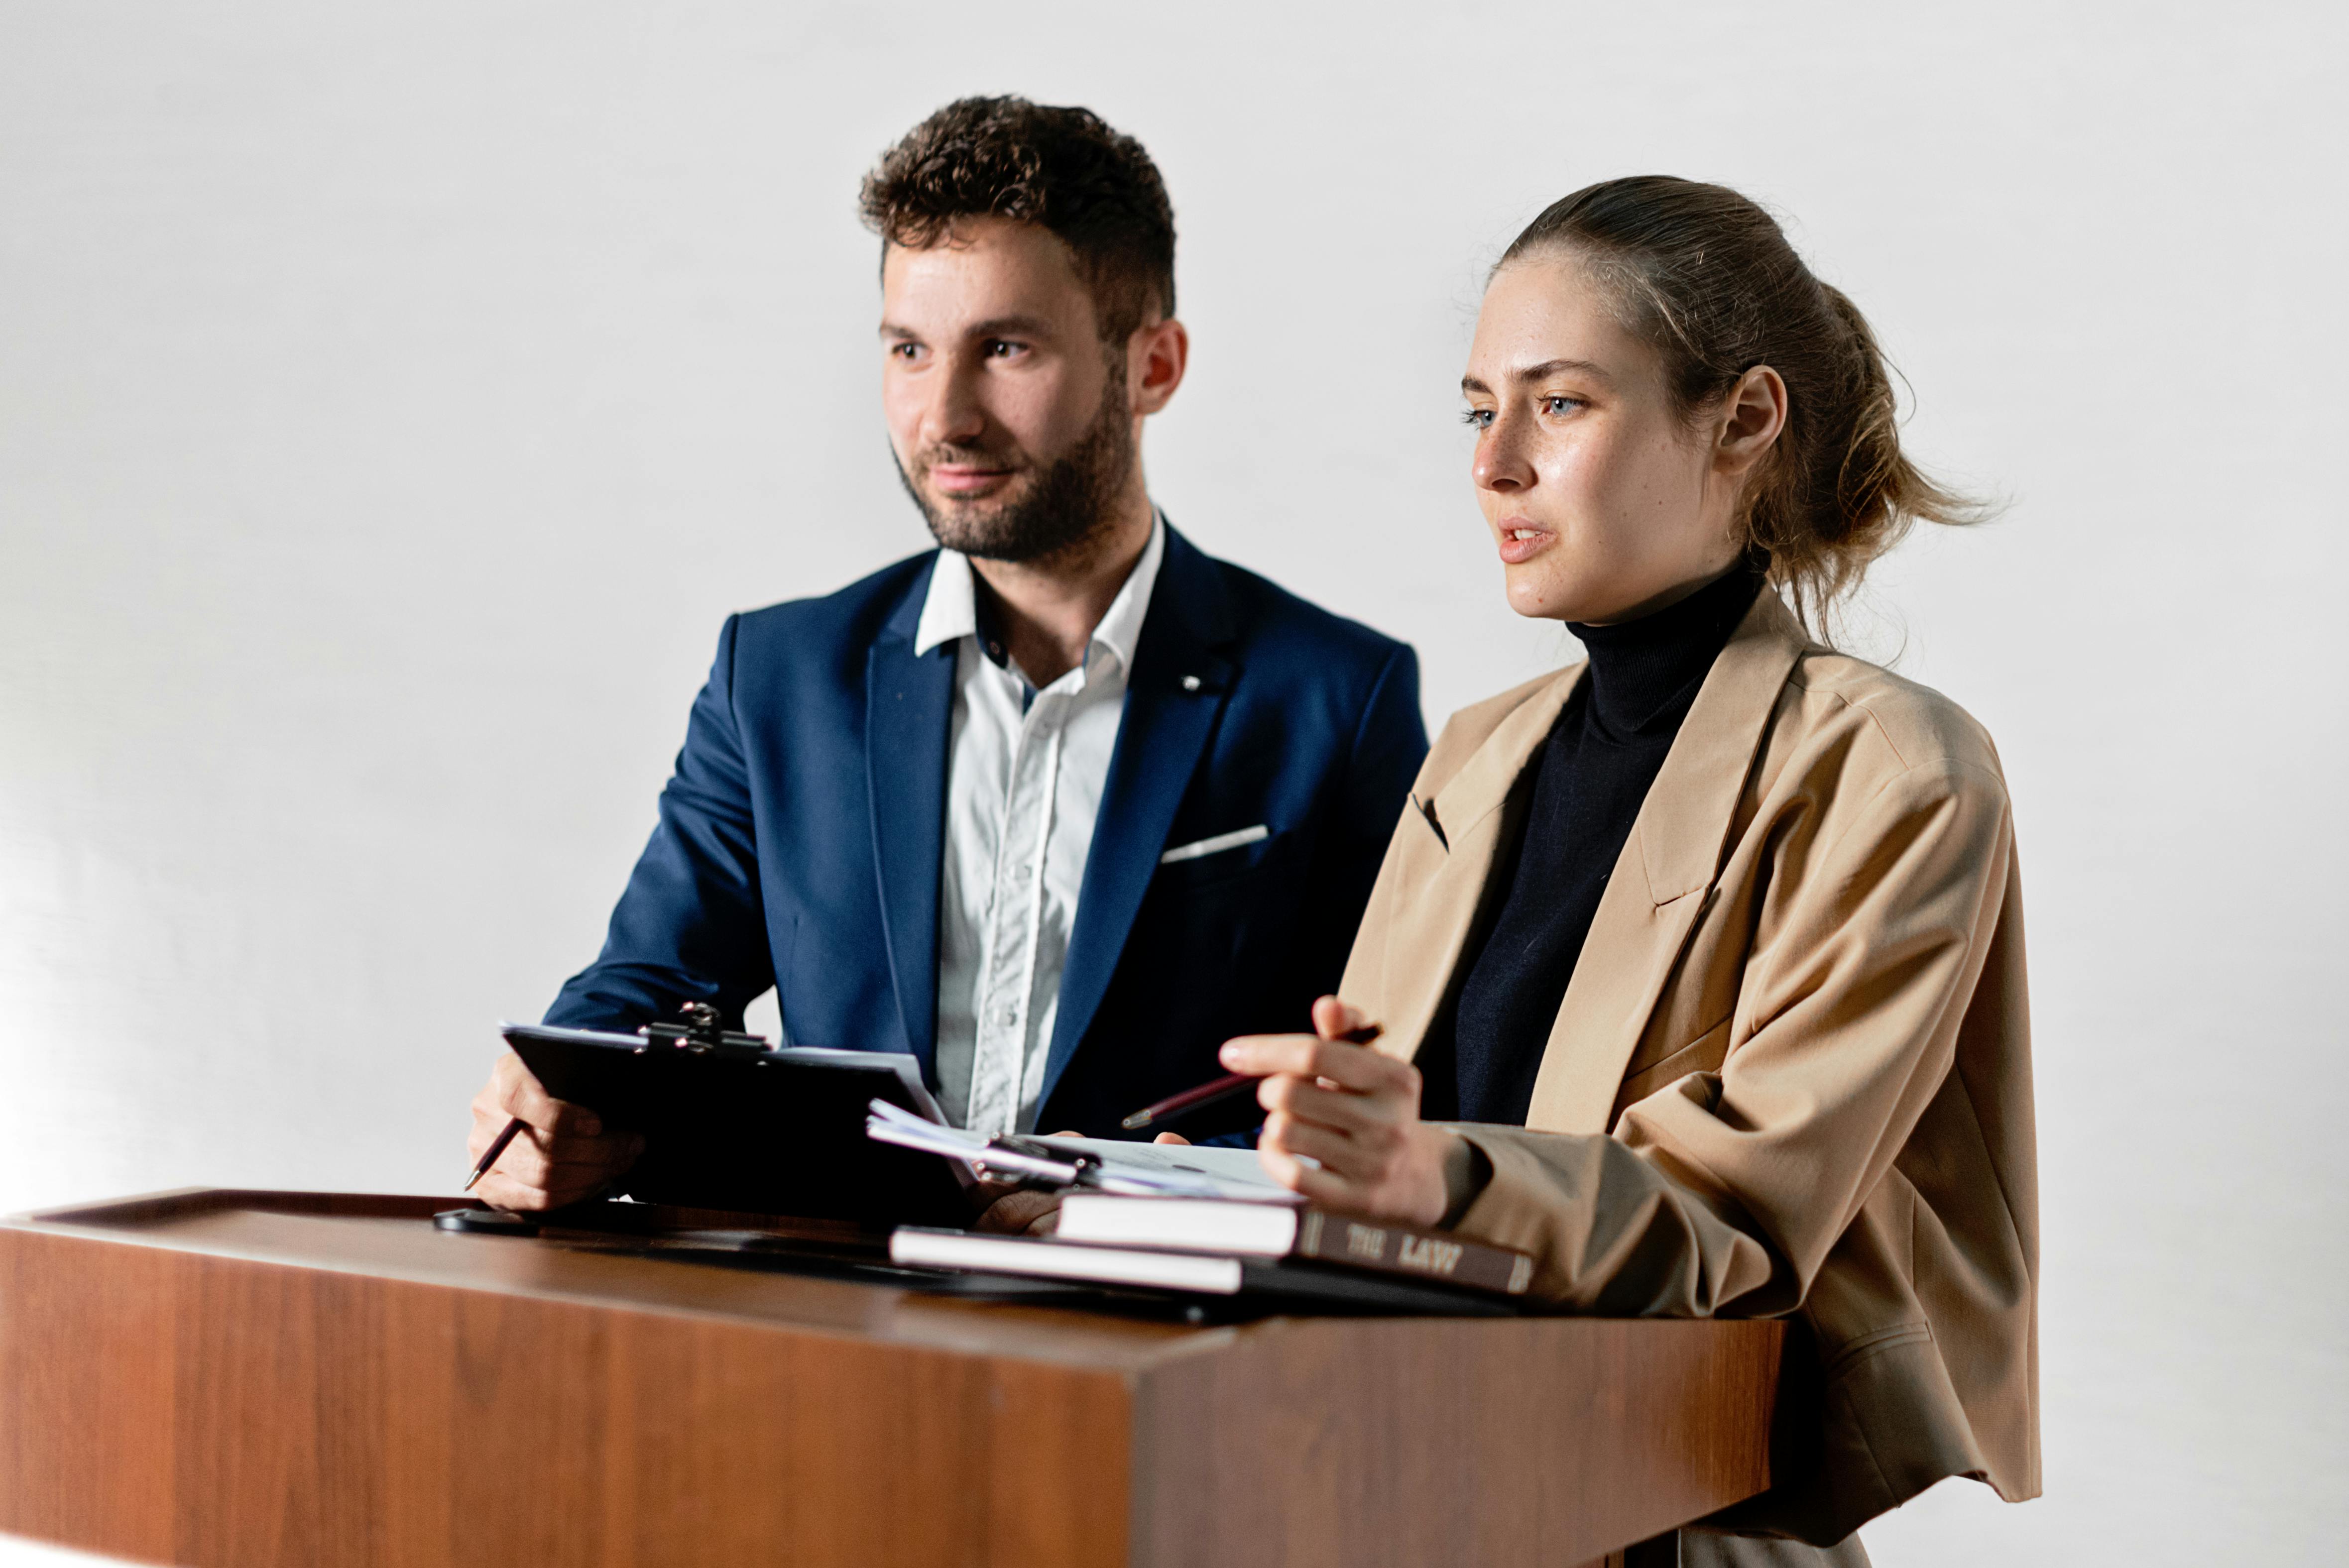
1057	808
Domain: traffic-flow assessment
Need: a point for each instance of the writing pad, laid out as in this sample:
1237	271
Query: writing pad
773	1133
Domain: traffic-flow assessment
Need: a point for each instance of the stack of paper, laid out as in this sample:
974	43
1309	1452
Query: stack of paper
1101	1165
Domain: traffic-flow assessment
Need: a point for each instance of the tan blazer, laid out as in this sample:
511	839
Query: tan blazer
1800	1014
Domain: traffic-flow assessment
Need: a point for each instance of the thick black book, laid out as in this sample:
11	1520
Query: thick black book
768	1132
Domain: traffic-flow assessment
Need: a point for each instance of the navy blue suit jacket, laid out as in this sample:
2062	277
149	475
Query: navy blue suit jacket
800	836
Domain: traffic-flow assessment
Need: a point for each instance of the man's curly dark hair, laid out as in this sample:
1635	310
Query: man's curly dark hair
1063	170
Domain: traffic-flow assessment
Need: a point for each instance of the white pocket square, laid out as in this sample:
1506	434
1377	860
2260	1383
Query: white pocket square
1221	841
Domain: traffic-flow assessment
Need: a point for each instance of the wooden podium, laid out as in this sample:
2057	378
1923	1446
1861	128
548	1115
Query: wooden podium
245	1379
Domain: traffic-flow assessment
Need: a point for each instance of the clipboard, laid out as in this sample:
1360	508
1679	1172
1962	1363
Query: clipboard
732	1123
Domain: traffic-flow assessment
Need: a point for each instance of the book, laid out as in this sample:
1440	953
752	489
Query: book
1281	1281
1262	1229
1107	1165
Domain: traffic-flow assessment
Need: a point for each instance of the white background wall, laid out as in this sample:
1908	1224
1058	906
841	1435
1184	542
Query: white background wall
393	400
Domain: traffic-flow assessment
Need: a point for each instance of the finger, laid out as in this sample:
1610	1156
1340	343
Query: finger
1364	1070
1365	1160
1337	1107
520	1094
490	1119
542	1162
564	1196
500	1190
1315	1186
484	1132
1356	1067
1017	1213
1334	1019
606	1149
1263	1054
987	1188
1171	1138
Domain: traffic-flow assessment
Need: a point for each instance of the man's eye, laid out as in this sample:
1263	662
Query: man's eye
1000	348
904	350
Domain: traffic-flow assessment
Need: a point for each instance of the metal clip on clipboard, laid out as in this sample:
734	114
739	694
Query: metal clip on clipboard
701	1034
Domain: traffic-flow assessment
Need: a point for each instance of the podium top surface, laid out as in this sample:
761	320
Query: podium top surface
392	1237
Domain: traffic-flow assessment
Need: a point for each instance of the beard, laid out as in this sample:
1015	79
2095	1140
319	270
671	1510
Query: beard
1060	507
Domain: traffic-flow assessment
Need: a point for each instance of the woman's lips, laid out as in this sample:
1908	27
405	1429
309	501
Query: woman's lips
1522	540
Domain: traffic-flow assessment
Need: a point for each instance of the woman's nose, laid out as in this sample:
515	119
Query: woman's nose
1498	464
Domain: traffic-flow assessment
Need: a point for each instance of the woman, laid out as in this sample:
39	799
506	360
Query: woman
1699	965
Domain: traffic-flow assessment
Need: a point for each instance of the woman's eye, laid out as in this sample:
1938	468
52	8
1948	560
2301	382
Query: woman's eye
1477	418
1556	406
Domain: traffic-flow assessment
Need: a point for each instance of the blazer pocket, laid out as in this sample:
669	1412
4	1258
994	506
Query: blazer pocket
1642	1079
1710	1048
1221	843
1231	856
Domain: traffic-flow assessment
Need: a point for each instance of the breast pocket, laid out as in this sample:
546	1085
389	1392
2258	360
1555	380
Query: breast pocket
1221	858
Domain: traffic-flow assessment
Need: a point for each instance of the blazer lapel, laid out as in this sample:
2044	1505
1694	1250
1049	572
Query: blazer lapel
1177	688
908	708
1663	880
1453	864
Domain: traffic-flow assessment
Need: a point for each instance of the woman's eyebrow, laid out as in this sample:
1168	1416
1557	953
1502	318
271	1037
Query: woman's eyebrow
1549	368
1545	369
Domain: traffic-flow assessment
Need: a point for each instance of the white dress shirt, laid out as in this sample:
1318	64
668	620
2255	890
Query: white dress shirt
1025	770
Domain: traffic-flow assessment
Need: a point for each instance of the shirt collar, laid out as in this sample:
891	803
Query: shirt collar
950	609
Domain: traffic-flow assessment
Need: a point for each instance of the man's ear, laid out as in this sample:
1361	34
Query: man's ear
1156	357
1751	415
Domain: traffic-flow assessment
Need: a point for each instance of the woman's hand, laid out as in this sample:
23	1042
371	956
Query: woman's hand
1354	1112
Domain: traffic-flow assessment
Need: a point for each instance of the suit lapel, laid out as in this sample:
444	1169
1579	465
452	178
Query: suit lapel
908	708
1181	678
1451	852
1663	880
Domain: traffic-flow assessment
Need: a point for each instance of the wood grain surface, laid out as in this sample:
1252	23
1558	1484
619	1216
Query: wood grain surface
245	1380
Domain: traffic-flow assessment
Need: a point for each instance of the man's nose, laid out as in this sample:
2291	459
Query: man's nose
955	418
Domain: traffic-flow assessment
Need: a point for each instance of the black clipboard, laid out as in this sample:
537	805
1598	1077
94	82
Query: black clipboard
731	1124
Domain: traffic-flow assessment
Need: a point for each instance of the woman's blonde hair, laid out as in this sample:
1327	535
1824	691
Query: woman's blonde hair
1707	277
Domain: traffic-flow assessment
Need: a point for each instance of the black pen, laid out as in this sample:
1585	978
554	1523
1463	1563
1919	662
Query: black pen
497	1147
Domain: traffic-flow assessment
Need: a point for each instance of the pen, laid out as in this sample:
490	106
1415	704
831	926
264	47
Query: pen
1229	1084
497	1147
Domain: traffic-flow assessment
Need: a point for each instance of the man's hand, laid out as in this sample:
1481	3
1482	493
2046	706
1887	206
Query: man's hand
561	1155
1020	1211
1353	1111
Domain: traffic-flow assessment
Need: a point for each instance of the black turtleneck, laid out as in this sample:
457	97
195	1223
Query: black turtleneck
1587	781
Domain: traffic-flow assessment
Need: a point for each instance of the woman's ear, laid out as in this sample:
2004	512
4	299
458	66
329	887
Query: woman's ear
1752	415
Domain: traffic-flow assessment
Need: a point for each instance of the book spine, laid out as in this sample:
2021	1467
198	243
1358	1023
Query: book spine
1398	1249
